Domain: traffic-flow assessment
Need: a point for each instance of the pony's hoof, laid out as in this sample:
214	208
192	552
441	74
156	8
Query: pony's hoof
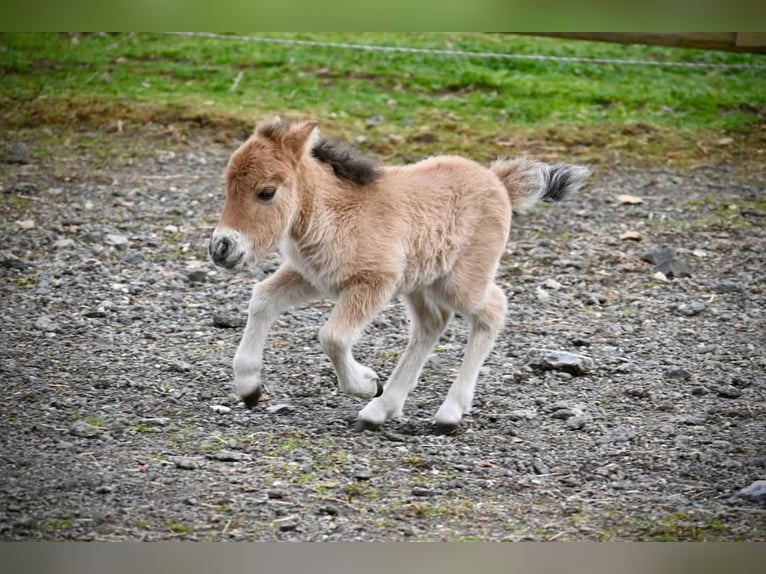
446	428
362	425
252	399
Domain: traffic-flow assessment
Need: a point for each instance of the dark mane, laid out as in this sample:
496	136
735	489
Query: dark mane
346	162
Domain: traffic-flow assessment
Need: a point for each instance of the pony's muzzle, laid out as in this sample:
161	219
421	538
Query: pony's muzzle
223	251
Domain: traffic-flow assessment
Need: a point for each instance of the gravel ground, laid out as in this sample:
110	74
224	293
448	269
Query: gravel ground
121	422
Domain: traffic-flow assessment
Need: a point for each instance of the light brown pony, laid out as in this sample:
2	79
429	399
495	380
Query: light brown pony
431	232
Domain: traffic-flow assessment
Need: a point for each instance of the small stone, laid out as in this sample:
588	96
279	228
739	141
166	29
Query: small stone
116	240
756	491
679	374
629	199
170	229
693	420
361	474
374	120
104	489
226	455
94	314
631	236
638	392
227	321
279	408
727	287
540	467
18	152
522	414
63	243
728	391
195	275
691	308
553	284
26	224
186	463
576	423
665	261
85	430
222	409
133	257
563	414
542	295
328	510
619	434
286	524
547	360
699	391
45	323
274	494
421	491
180	366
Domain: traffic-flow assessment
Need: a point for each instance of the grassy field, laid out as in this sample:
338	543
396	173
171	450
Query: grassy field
405	105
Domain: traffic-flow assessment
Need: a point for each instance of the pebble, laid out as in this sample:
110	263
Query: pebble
133	257
116	240
522	414
24	187
226	455
45	323
275	494
576	423
195	275
361	474
220	409
18	152
279	408
728	391
547	359
679	374
691	308
63	243
619	434
186	463
421	491
756	491
665	262
540	467
286	524
85	430
228	321
26	224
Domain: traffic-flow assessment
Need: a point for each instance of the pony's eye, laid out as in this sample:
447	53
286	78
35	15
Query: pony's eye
267	193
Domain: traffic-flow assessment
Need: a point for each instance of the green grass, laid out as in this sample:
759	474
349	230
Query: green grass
472	105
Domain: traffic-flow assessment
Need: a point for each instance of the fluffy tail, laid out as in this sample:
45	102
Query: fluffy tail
529	180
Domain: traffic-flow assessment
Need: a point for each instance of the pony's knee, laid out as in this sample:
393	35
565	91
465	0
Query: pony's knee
492	316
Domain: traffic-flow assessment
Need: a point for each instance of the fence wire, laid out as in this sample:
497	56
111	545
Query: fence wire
464	53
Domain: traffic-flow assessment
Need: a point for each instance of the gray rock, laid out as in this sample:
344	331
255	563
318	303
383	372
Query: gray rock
522	414
679	374
361	474
619	434
45	323
728	391
24	187
286	524
756	491
423	492
665	260
727	287
63	243
552	360
195	275
133	257
222	409
85	430
540	467
228	321
186	463
691	308
18	152
279	408
576	423
116	240
226	456
275	494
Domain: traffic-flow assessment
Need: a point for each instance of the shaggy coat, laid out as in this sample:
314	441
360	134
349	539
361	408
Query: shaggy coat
431	232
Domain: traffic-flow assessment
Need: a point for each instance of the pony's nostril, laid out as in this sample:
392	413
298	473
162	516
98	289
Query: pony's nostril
219	249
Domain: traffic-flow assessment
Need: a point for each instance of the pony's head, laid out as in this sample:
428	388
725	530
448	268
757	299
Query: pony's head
262	197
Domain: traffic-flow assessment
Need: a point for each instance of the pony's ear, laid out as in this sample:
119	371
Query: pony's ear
271	127
301	138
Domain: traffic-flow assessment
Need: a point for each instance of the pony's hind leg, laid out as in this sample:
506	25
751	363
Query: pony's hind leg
486	323
285	288
428	322
356	306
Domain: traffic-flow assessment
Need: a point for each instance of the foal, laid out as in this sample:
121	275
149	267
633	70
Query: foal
431	232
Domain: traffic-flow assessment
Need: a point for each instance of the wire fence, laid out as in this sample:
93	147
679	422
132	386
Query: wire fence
466	53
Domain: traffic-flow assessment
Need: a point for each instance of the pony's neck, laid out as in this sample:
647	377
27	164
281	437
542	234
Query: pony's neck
311	181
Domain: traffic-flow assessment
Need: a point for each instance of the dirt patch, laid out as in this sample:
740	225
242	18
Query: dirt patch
120	421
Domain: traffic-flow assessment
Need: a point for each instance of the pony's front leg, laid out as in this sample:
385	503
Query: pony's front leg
285	288
357	305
